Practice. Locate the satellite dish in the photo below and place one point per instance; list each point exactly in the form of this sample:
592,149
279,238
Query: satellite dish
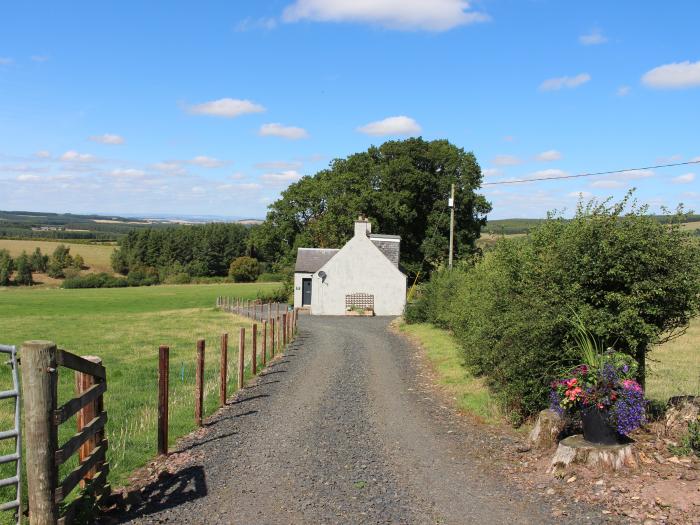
323,276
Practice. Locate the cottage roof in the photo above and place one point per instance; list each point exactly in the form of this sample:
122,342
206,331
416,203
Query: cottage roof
312,259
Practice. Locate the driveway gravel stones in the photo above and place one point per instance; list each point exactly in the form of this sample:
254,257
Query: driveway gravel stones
341,429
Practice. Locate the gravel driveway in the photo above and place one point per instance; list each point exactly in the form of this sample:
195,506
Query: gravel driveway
341,430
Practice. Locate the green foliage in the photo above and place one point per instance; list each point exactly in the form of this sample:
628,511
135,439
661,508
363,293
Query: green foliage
59,261
23,268
200,250
402,186
94,280
244,270
633,281
7,266
690,443
39,261
274,295
269,277
78,262
143,276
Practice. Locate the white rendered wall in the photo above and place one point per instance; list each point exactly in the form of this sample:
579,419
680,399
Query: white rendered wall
358,267
298,276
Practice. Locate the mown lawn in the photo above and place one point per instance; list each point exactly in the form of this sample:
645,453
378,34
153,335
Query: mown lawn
469,393
125,326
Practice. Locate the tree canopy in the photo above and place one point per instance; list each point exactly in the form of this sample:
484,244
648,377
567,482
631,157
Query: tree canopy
401,186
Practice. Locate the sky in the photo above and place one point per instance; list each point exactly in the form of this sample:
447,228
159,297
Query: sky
213,108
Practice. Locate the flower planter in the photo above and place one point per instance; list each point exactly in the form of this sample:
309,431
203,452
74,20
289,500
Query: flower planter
364,313
596,428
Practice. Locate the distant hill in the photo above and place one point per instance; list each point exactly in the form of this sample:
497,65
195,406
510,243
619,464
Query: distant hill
92,227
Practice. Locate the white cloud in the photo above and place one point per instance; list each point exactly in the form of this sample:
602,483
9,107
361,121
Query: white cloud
6,61
249,24
491,172
26,177
506,160
74,156
127,173
276,129
226,107
593,38
42,154
670,159
555,84
677,75
282,177
684,179
243,186
546,174
207,162
695,159
170,168
549,155
39,58
623,91
278,165
636,174
580,194
436,15
107,138
400,125
608,184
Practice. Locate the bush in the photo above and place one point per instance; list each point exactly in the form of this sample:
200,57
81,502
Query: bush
95,280
276,295
24,270
7,266
244,270
178,278
612,268
39,261
269,277
145,276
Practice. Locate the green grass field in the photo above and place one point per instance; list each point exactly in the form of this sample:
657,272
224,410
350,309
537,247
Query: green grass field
125,326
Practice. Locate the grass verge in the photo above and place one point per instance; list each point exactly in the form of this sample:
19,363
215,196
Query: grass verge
469,393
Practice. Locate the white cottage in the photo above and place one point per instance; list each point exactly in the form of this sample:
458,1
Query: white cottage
366,269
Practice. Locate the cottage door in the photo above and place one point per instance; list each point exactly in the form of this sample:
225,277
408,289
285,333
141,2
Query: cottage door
306,292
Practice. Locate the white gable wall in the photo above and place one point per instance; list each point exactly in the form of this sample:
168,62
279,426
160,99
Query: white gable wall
359,267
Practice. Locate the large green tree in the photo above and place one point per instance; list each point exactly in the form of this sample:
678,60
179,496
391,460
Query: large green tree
401,186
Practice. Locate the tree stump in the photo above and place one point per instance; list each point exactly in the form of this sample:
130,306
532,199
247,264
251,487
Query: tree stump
575,450
546,430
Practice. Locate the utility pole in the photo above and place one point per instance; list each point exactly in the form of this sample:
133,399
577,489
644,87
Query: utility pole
451,204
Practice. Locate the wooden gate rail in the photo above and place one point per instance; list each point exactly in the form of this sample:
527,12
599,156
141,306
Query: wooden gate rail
41,362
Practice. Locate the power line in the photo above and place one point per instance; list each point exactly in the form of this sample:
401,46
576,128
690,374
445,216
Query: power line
592,174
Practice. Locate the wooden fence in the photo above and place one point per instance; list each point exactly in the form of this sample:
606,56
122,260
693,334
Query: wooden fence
40,374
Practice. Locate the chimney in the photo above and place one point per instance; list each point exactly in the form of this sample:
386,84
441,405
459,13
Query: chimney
362,226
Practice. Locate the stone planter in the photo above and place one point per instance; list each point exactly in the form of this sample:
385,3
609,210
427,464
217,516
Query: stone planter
597,430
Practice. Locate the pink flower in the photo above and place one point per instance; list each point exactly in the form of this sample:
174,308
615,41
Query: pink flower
631,384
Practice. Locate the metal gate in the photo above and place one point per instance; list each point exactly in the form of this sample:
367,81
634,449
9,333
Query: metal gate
14,433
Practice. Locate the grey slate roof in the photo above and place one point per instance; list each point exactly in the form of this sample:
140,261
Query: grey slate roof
383,236
389,245
312,259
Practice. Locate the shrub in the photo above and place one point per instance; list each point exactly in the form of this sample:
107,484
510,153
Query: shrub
178,278
269,277
143,276
94,280
39,261
78,262
276,295
610,266
24,270
7,266
244,270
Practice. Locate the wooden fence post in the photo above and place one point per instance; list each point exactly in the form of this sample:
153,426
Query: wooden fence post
254,353
285,339
272,338
241,357
163,387
223,369
279,334
199,384
264,342
278,309
39,391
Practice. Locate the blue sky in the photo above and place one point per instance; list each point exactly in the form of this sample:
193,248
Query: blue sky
214,107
